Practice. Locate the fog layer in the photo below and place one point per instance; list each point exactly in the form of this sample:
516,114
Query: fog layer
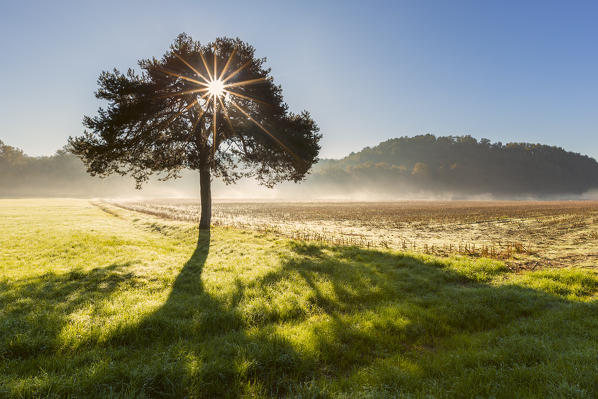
407,168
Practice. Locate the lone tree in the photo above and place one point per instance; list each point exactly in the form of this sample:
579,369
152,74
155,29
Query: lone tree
212,108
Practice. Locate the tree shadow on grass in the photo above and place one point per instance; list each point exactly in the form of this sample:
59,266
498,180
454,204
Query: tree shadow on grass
324,315
328,314
381,305
208,350
34,310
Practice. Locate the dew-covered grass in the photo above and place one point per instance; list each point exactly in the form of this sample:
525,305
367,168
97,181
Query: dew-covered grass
111,303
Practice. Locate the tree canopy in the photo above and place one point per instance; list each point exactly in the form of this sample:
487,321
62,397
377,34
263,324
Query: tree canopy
213,108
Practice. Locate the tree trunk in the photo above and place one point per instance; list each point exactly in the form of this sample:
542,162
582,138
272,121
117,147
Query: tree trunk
206,198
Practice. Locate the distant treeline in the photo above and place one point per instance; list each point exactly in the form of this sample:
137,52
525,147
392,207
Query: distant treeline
462,165
425,164
64,175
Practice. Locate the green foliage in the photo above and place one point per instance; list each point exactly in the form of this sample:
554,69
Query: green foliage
117,304
461,165
455,165
25,175
64,175
155,122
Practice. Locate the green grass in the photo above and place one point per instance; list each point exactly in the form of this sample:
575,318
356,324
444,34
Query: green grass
118,304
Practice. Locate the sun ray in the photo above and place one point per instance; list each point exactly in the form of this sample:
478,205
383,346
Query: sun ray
230,58
233,74
203,111
214,125
280,143
205,64
203,98
215,88
215,64
191,67
187,108
182,93
246,97
178,75
230,124
245,82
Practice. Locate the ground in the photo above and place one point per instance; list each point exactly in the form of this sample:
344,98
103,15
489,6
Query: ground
525,234
99,301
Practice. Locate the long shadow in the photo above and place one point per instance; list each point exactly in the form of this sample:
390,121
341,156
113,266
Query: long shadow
33,311
216,353
194,343
357,307
409,307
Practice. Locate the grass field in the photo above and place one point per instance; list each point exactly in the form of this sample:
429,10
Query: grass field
99,301
525,234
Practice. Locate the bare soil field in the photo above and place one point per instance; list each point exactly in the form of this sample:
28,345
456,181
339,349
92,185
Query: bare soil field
527,235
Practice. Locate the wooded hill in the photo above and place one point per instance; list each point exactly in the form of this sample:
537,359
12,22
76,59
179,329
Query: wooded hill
64,175
462,166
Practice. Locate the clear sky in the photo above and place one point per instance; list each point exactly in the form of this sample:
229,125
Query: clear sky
367,71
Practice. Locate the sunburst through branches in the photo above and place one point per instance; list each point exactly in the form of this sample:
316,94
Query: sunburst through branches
216,88
213,92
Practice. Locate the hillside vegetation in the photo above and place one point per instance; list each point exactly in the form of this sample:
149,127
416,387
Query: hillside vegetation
64,175
461,165
97,301
425,165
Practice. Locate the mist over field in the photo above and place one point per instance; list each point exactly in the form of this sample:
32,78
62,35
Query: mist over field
406,168
298,199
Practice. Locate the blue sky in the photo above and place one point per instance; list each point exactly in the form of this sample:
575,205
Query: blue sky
367,71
